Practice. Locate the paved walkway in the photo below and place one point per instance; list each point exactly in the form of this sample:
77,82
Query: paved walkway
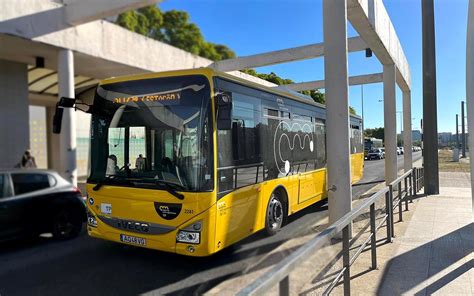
432,253
435,253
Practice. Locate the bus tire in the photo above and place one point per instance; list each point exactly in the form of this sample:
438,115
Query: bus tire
275,214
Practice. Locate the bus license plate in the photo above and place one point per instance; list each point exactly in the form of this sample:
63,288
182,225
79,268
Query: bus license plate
133,240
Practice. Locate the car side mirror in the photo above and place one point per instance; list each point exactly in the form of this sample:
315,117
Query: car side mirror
224,110
58,114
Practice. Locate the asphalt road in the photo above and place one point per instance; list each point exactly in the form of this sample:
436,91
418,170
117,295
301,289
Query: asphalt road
86,266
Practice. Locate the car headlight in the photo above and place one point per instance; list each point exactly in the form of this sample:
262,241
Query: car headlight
188,237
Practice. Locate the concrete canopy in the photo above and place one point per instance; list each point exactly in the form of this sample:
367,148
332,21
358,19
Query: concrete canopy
29,29
353,80
101,49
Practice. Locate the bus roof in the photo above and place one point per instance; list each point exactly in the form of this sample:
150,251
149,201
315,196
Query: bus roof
208,72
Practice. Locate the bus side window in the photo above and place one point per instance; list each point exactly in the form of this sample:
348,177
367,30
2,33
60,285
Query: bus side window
320,133
240,146
356,140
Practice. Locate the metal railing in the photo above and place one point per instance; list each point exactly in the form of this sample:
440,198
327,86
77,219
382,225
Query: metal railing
400,190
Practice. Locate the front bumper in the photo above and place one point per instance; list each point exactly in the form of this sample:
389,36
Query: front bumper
163,242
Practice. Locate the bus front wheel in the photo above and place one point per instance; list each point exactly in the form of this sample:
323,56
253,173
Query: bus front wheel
275,214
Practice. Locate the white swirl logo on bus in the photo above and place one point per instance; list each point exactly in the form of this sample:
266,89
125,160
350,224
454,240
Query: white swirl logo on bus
308,138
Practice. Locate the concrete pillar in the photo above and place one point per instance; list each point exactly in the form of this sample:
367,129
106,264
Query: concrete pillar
67,138
337,108
390,123
430,116
470,89
407,140
54,162
14,113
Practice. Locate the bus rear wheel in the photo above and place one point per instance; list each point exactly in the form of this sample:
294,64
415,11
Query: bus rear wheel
275,214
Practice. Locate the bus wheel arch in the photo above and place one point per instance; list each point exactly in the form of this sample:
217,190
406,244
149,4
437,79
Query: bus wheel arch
276,211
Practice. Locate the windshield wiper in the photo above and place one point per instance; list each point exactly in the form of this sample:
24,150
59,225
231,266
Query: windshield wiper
107,179
169,187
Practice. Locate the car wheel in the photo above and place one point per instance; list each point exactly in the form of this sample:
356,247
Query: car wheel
275,214
66,225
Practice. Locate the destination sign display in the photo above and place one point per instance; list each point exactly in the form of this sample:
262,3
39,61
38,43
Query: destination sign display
170,97
164,98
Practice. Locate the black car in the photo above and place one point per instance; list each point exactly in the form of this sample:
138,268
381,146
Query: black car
39,201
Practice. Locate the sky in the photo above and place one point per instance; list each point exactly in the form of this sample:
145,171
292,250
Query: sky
256,26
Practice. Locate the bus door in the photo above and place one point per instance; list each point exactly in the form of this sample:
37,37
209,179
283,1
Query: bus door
240,170
312,161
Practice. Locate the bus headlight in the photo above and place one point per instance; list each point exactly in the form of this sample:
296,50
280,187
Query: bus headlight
91,219
188,237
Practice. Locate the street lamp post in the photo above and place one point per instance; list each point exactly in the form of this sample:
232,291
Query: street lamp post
362,99
401,126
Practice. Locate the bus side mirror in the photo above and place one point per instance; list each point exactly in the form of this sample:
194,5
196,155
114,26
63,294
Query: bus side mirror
224,111
58,114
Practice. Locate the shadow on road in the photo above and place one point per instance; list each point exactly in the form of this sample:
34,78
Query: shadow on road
85,265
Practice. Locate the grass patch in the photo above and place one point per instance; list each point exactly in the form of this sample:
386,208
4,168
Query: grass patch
446,163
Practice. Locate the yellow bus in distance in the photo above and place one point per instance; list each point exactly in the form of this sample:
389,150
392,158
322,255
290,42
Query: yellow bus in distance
193,161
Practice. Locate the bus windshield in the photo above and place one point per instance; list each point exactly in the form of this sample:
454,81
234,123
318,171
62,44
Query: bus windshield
153,133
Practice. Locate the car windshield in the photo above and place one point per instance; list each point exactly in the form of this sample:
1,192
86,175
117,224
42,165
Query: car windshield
153,132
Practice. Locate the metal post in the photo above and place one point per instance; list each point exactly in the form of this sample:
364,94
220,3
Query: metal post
415,189
430,128
417,181
387,212
390,123
407,135
463,131
337,108
470,88
392,224
345,260
400,212
285,286
373,240
407,192
67,138
423,177
457,131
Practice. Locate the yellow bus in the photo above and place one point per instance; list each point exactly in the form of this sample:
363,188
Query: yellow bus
193,161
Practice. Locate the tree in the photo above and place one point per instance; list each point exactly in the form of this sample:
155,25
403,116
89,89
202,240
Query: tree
224,52
172,27
377,133
145,21
274,78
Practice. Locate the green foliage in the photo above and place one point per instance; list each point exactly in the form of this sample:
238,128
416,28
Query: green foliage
223,51
272,77
377,133
317,96
172,27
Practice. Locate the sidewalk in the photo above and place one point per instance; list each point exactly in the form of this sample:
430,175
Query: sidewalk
435,254
432,252
312,277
